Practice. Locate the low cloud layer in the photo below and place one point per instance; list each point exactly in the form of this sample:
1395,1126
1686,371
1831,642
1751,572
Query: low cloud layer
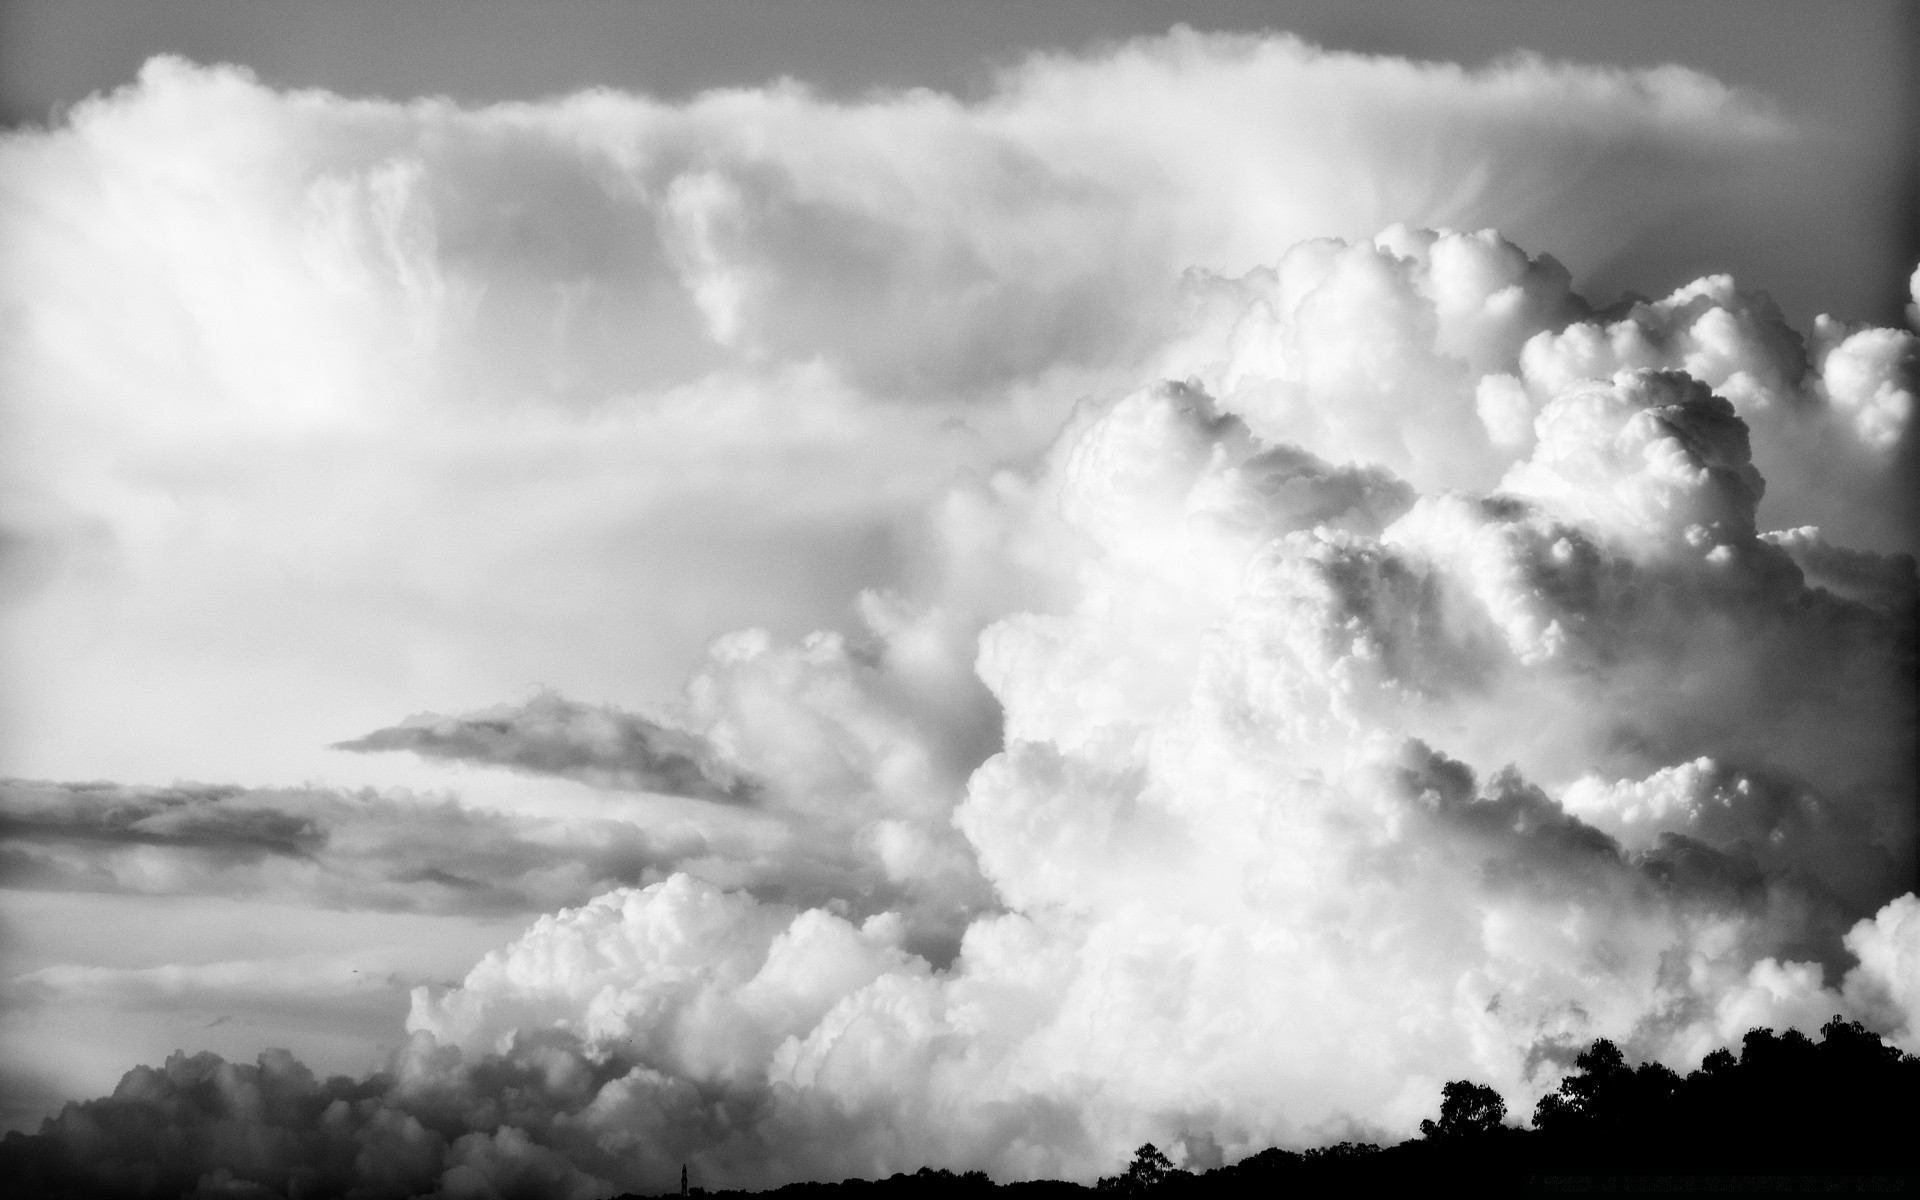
1391,665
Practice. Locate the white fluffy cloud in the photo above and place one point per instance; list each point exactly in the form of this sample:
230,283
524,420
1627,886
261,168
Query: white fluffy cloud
1395,668
552,394
1318,790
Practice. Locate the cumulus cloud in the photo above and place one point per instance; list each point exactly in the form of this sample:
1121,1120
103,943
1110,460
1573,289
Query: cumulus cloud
1435,354
1487,765
1580,752
1398,666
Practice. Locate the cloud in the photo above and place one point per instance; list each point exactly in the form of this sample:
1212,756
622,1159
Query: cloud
848,755
550,735
561,391
681,973
312,986
1485,766
1435,354
1581,753
273,1125
366,850
1280,667
397,852
773,222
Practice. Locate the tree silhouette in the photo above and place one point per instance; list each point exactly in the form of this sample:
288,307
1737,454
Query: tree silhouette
1149,1169
1605,1097
1467,1109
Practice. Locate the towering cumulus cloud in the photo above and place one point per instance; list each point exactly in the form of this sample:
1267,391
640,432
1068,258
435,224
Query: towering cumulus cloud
1396,667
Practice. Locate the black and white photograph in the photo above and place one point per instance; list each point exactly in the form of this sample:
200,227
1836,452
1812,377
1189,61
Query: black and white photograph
881,598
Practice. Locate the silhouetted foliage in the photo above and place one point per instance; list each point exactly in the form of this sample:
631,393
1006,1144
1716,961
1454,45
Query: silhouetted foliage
1466,1110
1605,1098
1149,1169
1785,1108
1786,1104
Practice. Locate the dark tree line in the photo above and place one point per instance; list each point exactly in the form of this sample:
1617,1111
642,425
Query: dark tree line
1845,1109
1788,1113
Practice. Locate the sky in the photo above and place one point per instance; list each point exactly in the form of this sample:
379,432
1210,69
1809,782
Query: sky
819,589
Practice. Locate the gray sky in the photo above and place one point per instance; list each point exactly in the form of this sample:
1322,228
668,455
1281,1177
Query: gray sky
1841,59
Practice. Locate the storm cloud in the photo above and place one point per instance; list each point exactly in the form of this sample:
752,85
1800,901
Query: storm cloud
1297,648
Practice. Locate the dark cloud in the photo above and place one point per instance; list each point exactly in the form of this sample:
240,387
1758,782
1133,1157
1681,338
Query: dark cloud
551,735
364,850
431,1124
210,817
397,852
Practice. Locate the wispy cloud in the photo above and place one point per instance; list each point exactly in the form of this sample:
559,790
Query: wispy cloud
551,735
312,845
